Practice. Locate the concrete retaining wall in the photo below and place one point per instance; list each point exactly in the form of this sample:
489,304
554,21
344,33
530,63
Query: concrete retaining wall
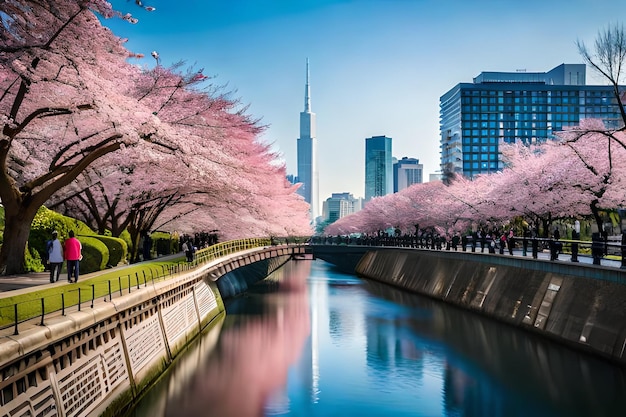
584,307
581,305
99,360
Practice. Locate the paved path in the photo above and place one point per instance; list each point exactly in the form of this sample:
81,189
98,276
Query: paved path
16,282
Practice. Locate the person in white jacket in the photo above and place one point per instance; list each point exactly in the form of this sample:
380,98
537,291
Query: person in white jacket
55,257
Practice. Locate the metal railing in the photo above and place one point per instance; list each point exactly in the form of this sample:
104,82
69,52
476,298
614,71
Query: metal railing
86,293
598,250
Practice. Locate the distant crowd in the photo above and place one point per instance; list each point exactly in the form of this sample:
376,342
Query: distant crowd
190,244
493,241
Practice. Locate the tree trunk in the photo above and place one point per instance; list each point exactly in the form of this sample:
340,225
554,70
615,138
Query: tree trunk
16,231
596,215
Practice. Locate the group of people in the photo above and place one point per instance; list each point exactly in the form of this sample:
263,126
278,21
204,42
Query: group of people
69,251
496,240
189,249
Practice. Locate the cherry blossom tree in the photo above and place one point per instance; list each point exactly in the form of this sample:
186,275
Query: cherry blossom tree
595,166
216,169
220,144
62,105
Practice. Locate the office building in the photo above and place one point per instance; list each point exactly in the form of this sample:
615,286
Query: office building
434,177
340,205
406,172
307,153
378,167
510,107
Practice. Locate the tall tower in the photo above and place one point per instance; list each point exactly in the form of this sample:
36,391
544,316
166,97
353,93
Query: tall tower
307,153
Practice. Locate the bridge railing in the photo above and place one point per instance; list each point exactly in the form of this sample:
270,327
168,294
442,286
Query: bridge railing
43,302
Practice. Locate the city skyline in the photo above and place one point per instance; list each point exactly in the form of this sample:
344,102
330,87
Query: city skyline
377,67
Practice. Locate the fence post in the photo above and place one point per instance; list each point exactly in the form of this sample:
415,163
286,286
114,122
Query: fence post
16,321
119,280
137,276
93,293
110,295
62,304
79,298
43,310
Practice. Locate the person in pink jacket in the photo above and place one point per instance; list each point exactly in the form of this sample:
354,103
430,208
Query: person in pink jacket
73,254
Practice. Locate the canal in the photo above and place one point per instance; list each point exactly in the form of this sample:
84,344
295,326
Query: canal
312,341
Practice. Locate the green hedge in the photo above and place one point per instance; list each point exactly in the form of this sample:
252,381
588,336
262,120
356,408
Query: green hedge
118,250
95,254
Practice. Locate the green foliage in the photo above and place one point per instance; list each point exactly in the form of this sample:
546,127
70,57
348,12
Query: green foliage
118,249
95,254
32,261
125,236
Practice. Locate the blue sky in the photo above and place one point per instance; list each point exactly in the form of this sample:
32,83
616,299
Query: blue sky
378,67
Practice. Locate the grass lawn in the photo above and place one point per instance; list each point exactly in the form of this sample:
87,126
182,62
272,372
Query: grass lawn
101,286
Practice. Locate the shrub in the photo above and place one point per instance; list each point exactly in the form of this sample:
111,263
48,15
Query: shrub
95,254
32,261
118,249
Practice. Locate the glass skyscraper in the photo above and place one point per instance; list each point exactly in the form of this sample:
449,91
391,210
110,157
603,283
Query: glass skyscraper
509,107
378,167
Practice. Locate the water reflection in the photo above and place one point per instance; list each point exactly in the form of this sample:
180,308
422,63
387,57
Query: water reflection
311,341
260,337
492,369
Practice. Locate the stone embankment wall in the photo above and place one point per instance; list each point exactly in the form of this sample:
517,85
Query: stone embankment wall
583,306
99,360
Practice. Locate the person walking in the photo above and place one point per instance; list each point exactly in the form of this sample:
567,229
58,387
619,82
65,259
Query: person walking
55,256
73,254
